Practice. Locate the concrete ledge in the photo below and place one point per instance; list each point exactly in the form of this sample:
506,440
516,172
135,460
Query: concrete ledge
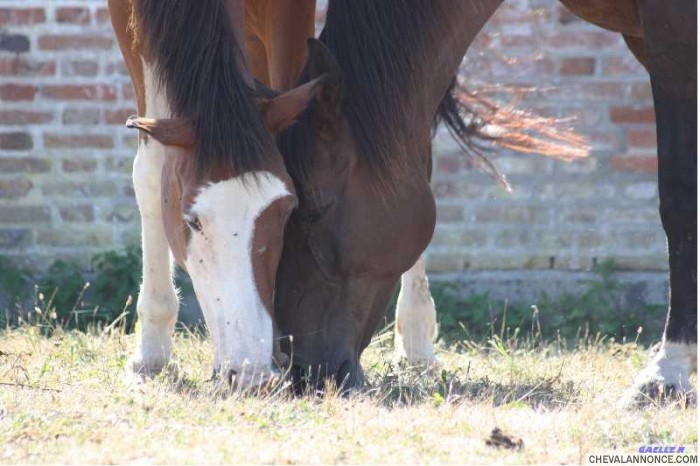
636,288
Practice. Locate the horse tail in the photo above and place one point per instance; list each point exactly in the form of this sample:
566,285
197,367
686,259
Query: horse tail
478,124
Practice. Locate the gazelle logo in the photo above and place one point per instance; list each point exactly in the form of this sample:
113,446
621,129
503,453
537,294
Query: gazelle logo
661,450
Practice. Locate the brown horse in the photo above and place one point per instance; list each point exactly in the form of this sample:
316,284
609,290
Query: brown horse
211,186
276,34
360,160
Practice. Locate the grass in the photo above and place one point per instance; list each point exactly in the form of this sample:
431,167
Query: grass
63,399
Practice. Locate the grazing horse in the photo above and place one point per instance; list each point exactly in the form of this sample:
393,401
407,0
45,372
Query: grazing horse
211,186
360,161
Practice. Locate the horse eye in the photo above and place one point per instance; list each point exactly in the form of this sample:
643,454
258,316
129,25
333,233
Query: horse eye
194,223
316,215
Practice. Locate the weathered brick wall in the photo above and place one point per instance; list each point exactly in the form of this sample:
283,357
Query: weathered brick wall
561,216
65,184
65,158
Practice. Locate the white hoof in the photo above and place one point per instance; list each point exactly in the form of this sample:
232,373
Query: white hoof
148,365
415,351
157,317
416,318
666,377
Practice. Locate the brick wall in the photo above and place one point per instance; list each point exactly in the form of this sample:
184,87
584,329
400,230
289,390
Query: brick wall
65,158
561,216
65,184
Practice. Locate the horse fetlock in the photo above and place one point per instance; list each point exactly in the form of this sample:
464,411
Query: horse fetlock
667,376
157,317
416,351
246,376
414,336
157,308
416,320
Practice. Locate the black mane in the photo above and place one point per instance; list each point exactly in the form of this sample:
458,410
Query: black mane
377,44
193,47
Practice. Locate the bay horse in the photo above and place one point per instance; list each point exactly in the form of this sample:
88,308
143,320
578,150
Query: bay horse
275,37
210,183
360,160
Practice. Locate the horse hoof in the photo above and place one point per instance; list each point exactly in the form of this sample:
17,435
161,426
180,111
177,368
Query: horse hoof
654,390
145,367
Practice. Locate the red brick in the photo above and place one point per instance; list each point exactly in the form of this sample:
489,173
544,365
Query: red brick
128,92
632,114
24,164
119,116
600,91
508,14
81,213
14,188
78,141
81,116
14,43
641,137
79,165
75,42
17,66
448,164
450,213
579,66
23,117
622,65
588,40
80,68
604,140
100,92
637,163
118,68
17,92
445,189
587,92
73,15
520,41
16,141
641,91
566,17
102,15
21,16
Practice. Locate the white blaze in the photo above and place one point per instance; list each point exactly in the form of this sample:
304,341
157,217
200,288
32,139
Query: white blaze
219,260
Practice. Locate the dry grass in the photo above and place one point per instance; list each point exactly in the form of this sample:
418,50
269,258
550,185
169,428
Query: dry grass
62,400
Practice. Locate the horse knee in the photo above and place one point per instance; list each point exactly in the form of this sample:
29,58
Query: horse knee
147,171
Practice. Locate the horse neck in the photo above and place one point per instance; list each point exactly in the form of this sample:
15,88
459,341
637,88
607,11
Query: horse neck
236,15
446,47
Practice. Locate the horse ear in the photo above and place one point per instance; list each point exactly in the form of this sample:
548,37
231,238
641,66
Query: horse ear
281,111
322,64
167,131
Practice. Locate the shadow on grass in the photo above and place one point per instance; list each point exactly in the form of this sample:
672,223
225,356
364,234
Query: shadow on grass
403,387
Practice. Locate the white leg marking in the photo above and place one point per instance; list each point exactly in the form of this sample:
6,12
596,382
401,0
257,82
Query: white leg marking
157,304
220,262
416,324
671,367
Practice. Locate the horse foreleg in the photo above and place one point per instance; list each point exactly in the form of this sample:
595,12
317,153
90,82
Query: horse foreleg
416,324
670,48
157,304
